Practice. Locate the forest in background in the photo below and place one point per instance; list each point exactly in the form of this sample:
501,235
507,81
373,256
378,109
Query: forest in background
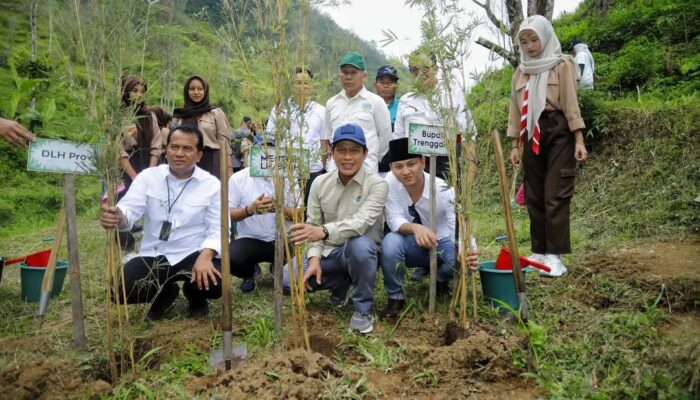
640,118
180,38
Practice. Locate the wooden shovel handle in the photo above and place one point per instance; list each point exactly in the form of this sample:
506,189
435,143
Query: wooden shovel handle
225,257
47,283
505,202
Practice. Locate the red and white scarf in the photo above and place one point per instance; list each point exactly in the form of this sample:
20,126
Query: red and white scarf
523,122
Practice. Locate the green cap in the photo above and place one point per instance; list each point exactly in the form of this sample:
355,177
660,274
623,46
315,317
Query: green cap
354,59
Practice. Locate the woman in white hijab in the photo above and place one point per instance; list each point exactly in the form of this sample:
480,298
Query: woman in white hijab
545,120
585,61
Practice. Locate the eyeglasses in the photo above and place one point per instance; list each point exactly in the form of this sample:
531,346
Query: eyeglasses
416,217
415,70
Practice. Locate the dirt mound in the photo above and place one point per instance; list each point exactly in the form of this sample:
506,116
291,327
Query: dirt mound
675,265
296,374
478,365
48,380
657,261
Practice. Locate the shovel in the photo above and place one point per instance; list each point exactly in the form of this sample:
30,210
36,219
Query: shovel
47,283
510,231
226,357
503,261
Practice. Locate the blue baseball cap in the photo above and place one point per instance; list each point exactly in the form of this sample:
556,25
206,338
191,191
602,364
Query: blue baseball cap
352,132
387,70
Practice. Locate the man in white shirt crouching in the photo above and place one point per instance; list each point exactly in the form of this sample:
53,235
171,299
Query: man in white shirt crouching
251,205
407,211
180,204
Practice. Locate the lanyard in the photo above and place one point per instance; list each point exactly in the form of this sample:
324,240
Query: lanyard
167,183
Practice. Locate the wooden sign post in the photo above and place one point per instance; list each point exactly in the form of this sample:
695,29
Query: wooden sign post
69,158
429,140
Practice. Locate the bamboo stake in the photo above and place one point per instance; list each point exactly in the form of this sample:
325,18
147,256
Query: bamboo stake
74,261
278,275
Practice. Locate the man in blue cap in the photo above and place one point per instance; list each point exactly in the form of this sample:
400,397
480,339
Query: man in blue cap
357,105
344,228
385,84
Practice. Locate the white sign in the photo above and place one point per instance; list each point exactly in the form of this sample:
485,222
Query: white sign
48,155
426,139
264,159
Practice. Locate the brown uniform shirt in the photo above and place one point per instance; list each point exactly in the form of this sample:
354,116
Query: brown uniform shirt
561,95
212,124
129,141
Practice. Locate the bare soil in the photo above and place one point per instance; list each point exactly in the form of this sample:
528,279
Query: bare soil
671,268
48,379
478,365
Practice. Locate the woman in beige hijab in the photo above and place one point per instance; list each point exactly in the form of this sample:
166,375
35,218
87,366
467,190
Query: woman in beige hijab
545,119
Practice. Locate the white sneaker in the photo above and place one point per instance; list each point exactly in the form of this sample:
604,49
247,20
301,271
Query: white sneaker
553,261
537,257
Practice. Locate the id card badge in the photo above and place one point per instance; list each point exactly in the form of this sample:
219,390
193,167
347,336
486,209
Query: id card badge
165,231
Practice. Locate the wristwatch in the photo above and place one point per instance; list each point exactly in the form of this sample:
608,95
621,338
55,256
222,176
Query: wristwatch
325,232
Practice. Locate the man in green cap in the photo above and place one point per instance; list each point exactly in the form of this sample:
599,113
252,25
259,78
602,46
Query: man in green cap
357,105
427,104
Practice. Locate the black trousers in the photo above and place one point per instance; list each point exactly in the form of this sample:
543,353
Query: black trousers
153,279
210,161
307,188
244,253
127,240
549,185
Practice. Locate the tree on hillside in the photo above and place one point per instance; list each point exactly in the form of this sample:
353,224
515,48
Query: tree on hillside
507,24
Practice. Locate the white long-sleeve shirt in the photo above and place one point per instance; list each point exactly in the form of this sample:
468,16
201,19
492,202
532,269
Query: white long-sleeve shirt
307,128
398,201
416,108
195,215
370,112
243,189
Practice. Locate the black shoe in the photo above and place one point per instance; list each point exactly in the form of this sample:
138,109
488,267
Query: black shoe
156,314
443,289
248,284
162,302
392,310
341,298
198,309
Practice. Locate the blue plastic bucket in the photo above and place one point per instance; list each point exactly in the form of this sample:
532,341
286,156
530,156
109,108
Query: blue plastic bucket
33,276
498,285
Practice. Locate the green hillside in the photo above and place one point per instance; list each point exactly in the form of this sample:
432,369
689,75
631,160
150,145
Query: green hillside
642,133
181,38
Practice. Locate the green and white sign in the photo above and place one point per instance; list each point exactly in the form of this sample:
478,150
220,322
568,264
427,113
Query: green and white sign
49,155
426,139
264,159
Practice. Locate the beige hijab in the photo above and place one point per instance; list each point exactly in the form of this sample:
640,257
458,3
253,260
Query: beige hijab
538,67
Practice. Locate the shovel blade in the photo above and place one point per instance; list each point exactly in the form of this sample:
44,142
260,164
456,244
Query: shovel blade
238,355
